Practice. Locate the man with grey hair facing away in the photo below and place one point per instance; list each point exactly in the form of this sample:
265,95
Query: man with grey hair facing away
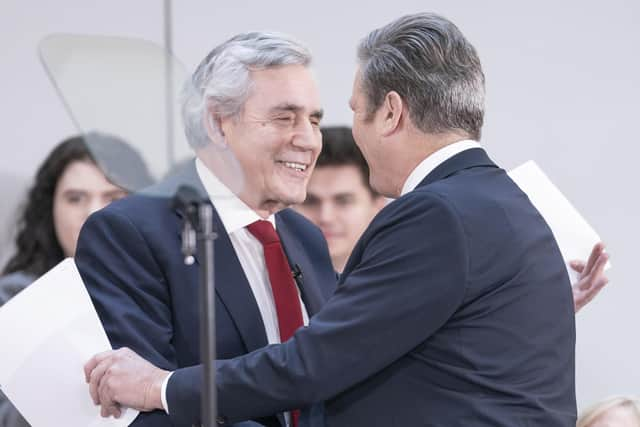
252,113
455,308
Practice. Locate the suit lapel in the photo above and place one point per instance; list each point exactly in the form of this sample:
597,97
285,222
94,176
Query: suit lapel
233,289
309,289
232,286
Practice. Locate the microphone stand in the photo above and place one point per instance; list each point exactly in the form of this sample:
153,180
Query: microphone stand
198,234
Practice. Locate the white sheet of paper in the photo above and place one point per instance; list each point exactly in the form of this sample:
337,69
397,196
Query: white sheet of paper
48,332
574,235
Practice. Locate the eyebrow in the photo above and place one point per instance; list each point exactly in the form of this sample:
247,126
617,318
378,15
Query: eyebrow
343,195
297,108
84,191
74,190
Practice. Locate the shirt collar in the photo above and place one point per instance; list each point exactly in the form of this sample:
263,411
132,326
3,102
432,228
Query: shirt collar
432,161
233,212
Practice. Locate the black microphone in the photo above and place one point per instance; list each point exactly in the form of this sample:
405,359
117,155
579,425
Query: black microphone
186,201
297,275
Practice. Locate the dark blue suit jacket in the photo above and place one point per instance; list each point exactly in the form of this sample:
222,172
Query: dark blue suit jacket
130,260
455,309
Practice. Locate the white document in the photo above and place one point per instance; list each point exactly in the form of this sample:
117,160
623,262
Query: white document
574,235
47,333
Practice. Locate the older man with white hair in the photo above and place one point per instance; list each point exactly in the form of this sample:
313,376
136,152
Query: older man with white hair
252,113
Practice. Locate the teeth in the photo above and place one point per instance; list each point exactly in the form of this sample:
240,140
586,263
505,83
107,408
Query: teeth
296,166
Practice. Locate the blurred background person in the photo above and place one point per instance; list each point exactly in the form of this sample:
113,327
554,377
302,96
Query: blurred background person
69,185
340,200
619,411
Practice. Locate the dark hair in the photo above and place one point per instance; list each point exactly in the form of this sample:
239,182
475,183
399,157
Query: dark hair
340,149
431,65
37,247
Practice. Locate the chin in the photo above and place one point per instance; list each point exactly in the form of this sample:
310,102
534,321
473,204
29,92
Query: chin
293,198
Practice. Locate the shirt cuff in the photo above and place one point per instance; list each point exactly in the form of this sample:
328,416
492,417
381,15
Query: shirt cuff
163,393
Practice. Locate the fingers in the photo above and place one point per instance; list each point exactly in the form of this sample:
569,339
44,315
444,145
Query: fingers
94,361
595,277
112,410
106,394
99,372
577,265
95,377
598,249
583,268
591,282
120,379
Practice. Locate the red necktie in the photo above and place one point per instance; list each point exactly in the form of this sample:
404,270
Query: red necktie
285,292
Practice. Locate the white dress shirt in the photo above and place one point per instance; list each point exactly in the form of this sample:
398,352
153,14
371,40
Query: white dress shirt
436,158
235,216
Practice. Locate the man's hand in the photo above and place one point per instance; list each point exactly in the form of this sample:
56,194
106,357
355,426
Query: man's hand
591,278
122,378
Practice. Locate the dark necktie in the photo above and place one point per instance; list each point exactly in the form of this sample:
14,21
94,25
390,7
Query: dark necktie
285,293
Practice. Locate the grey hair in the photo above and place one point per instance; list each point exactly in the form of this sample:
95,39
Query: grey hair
222,82
431,65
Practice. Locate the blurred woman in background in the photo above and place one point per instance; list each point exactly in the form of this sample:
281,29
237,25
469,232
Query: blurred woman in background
81,175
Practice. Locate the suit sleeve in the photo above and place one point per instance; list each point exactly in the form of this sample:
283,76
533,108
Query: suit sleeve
128,291
410,280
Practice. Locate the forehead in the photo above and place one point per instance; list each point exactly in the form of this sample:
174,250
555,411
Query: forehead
284,85
328,181
85,176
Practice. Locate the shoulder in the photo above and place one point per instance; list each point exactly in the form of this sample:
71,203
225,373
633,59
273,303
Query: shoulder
136,210
13,283
139,204
418,206
412,224
152,202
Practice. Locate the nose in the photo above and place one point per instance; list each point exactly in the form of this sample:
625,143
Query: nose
94,205
307,136
326,213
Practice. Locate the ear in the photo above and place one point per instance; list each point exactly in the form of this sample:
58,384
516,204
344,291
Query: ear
214,126
391,113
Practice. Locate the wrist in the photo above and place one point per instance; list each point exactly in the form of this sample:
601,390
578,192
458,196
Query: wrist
154,398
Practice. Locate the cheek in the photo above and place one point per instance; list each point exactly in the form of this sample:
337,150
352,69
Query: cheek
67,221
310,213
356,133
359,218
313,215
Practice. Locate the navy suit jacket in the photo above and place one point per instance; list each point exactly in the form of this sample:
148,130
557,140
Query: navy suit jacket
130,259
455,309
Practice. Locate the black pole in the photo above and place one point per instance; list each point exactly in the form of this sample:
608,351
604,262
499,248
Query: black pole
207,313
198,233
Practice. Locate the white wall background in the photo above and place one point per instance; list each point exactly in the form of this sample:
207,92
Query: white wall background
562,82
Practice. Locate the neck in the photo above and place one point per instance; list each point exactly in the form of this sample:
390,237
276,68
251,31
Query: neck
339,262
421,146
223,164
264,208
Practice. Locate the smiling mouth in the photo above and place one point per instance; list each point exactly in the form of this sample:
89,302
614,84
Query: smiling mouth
301,167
